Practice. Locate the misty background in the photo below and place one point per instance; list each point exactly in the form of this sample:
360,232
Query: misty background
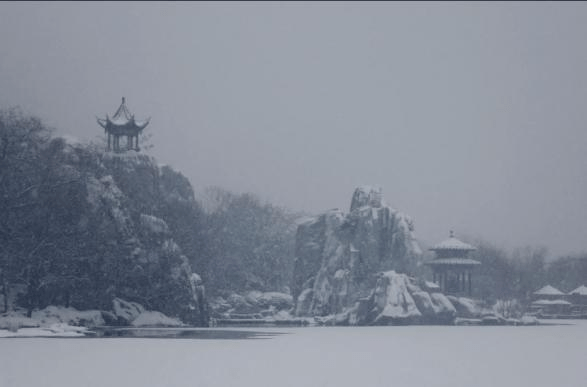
470,117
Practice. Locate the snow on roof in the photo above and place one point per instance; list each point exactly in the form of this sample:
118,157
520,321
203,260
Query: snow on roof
551,302
453,243
453,261
549,291
581,291
120,121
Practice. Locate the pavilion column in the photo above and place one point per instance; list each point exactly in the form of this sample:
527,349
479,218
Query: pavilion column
439,276
108,148
469,275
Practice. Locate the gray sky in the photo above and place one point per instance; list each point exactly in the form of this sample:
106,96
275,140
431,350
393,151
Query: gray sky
470,116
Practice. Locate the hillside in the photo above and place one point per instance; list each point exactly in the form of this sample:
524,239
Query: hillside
81,227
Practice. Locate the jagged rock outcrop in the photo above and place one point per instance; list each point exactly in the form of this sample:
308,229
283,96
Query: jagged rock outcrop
338,255
397,299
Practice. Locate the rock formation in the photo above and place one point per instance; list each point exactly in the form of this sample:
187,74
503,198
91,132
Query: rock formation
399,299
121,240
338,255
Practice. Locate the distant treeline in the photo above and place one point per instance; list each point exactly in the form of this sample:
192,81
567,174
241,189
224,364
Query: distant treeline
517,274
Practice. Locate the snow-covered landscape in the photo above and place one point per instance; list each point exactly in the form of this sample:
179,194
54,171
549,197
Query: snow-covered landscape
379,194
409,356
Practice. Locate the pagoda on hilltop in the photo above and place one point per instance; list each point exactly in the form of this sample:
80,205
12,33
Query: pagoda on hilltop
451,268
122,124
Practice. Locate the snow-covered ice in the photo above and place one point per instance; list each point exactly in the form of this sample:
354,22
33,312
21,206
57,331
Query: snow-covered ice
406,356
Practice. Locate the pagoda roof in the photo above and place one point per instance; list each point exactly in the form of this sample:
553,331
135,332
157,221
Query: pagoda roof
549,291
453,262
580,291
123,118
452,243
551,302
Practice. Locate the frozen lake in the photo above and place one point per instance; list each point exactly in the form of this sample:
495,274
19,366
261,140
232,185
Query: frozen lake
408,356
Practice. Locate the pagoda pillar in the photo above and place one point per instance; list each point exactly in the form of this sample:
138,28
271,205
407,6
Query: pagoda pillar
469,275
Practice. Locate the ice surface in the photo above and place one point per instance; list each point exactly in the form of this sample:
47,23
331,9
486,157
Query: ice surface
411,356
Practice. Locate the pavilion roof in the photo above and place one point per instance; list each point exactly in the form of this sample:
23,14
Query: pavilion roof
551,302
122,118
549,291
453,262
581,291
452,243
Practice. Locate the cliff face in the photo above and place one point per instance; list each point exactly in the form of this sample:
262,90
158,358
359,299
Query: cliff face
123,228
338,255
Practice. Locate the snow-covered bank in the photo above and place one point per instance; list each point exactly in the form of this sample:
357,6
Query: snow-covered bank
56,321
408,356
53,330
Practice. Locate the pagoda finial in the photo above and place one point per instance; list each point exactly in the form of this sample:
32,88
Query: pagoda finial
452,234
122,99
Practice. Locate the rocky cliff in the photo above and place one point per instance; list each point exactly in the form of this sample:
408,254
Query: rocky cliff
121,241
339,255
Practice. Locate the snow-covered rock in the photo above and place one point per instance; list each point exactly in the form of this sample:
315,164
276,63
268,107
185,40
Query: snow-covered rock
14,320
337,255
254,304
264,300
69,316
53,321
155,319
126,312
397,299
154,225
52,330
466,307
